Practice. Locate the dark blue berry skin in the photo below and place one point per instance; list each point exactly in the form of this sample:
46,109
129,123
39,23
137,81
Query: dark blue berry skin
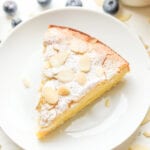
43,2
74,3
111,6
10,7
15,22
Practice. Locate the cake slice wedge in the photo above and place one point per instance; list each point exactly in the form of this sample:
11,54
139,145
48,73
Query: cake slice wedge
77,70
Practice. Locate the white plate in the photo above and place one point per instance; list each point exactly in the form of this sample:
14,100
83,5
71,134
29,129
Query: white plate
97,127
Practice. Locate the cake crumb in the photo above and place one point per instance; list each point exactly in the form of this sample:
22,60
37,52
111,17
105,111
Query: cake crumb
146,134
146,119
138,147
107,102
26,83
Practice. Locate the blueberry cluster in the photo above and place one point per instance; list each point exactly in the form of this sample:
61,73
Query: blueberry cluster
10,7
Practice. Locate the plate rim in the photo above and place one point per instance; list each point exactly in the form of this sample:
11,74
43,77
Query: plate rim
55,10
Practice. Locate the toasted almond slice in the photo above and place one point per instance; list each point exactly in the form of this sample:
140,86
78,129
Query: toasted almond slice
99,72
63,91
65,75
124,17
79,51
59,59
81,78
78,46
26,83
47,65
146,134
138,147
54,61
50,95
43,82
84,63
146,119
63,56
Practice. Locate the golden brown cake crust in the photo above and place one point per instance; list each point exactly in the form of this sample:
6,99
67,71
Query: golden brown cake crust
103,47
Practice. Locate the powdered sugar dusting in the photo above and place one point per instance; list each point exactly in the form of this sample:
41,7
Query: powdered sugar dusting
48,114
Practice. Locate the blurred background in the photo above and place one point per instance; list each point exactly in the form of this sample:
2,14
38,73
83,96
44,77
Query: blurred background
135,14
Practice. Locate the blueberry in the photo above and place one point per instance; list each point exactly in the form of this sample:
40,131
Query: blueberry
74,3
10,7
111,6
43,2
15,22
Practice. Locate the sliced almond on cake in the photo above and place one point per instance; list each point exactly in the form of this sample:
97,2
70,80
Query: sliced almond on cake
81,78
63,91
59,59
78,46
85,63
50,95
66,75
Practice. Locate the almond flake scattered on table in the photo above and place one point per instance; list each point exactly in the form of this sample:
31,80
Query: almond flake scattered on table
123,16
26,83
148,52
146,119
147,134
138,147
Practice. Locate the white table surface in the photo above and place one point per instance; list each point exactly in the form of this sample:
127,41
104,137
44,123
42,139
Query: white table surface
138,23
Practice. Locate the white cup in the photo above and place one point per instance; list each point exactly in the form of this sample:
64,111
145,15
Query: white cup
136,3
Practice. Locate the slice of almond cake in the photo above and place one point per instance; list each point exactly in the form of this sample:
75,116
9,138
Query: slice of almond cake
77,70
